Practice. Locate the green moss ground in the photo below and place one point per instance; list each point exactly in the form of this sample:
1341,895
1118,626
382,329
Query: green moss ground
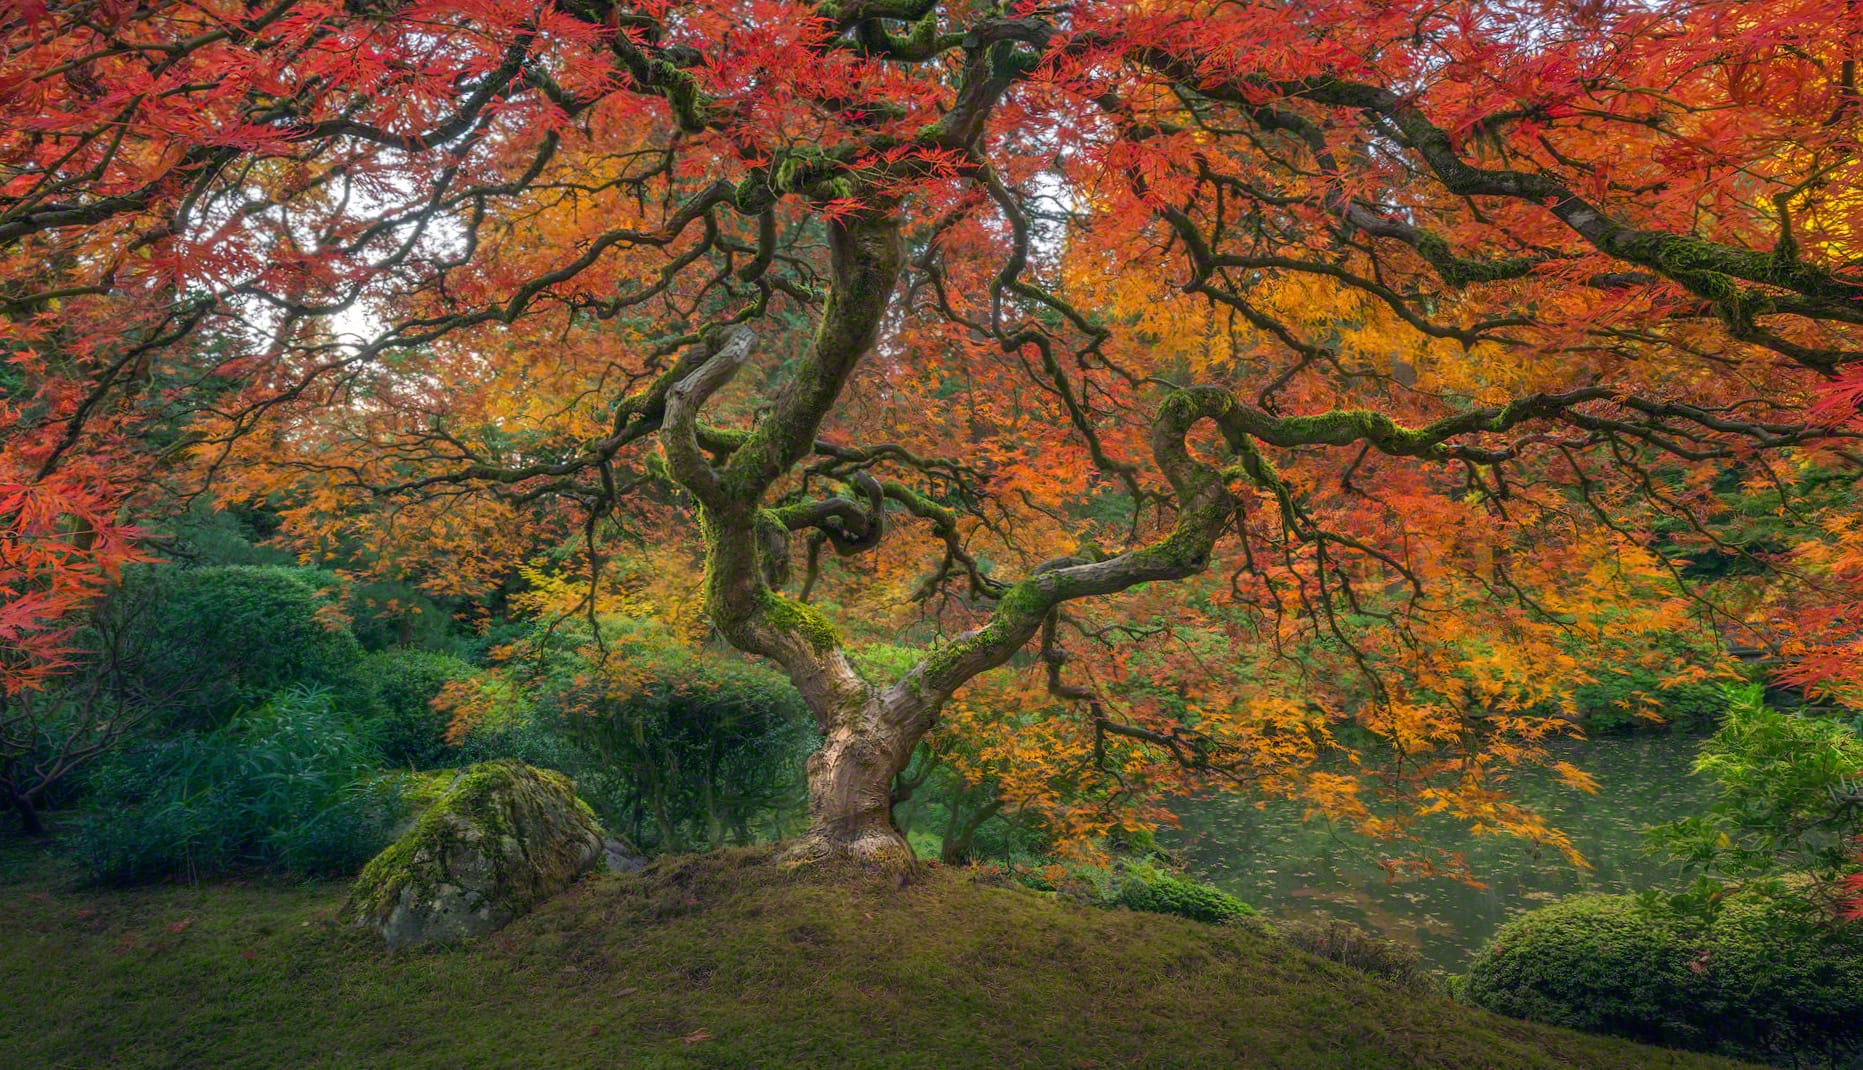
725,960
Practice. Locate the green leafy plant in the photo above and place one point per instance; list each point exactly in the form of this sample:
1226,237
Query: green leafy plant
1145,887
1601,964
1790,799
679,747
1611,702
402,720
203,644
287,786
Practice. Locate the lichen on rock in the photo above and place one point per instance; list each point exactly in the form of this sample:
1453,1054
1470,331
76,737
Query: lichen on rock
502,838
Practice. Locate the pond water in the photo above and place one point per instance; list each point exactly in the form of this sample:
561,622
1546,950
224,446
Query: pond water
1292,868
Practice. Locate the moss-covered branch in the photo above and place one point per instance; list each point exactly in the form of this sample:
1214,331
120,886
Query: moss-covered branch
1205,508
739,598
866,258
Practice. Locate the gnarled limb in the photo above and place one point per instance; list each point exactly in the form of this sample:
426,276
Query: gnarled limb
1205,507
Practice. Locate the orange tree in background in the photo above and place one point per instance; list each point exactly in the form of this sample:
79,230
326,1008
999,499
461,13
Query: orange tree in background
1253,367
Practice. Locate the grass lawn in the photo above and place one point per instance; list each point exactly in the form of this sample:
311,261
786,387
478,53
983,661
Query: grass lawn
723,960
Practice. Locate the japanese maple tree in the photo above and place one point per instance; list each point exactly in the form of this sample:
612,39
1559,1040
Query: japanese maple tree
1387,349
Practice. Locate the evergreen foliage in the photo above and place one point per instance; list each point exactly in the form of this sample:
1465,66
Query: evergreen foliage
1762,979
288,786
202,644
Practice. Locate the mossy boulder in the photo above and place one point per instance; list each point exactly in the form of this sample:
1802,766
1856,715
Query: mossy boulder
503,837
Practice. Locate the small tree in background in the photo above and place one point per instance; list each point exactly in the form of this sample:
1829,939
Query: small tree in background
1790,800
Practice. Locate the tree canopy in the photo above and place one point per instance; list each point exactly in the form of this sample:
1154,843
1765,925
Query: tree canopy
1298,394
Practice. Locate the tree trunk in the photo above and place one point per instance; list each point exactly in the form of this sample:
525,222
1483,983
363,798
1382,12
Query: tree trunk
869,734
851,791
960,835
29,821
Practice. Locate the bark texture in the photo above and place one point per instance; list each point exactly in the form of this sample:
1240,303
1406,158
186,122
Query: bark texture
869,734
851,792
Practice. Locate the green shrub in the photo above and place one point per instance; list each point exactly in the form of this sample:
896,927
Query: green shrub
677,748
955,812
1785,795
1150,889
1601,964
1762,978
287,786
1353,947
223,533
201,644
403,722
1611,702
708,747
524,733
1788,988
390,614
49,739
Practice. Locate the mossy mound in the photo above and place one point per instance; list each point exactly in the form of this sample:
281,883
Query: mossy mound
727,961
503,837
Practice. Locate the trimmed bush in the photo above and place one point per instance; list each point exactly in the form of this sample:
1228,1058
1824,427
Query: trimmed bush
676,747
709,747
203,644
1150,889
1601,964
1787,988
403,722
1763,979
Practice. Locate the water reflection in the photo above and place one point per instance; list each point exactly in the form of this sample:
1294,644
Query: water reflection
1293,868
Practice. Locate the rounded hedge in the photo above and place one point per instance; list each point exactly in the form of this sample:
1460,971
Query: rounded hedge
1601,964
1786,987
202,644
403,683
1762,979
